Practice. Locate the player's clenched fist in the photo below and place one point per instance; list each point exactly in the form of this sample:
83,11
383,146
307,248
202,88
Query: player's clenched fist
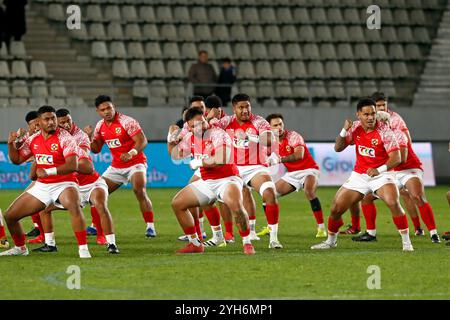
371,172
126,157
348,124
89,131
41,173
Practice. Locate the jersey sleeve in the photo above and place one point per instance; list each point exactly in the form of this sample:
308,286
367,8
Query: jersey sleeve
68,144
295,139
25,150
131,126
402,140
389,141
349,135
83,140
397,122
220,138
221,123
184,131
97,135
184,147
261,124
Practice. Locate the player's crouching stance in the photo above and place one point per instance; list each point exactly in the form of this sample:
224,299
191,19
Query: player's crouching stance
211,149
377,152
55,151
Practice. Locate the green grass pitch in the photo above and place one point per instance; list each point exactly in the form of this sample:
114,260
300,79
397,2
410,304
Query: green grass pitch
149,269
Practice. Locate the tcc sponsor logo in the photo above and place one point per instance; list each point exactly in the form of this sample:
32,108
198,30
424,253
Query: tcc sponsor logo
366,152
114,143
44,159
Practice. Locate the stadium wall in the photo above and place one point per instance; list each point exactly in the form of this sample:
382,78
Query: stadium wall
428,124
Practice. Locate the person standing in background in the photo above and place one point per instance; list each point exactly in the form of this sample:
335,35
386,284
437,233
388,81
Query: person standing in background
203,76
227,76
15,25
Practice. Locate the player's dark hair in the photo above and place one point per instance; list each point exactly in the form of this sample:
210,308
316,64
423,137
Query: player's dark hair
45,109
192,112
102,98
274,116
196,98
31,116
62,112
202,51
364,102
377,96
240,97
226,60
213,102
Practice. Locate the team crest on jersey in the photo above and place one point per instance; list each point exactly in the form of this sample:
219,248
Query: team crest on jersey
44,159
374,142
113,143
288,148
118,130
54,147
366,152
35,146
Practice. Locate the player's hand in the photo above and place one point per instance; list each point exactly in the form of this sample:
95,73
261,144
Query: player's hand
213,113
348,124
12,137
125,157
273,160
40,173
89,131
371,172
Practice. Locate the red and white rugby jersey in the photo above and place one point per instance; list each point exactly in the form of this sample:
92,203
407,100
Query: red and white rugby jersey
245,152
372,148
286,147
205,148
118,137
397,122
185,130
51,153
82,140
412,160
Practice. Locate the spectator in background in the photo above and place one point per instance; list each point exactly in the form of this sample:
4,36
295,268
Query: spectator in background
227,77
202,76
15,21
2,24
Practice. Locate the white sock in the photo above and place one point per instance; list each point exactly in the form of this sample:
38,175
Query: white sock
83,247
92,225
252,224
246,240
433,232
201,223
36,225
193,238
321,226
151,225
372,232
332,237
111,238
217,232
273,228
50,239
405,235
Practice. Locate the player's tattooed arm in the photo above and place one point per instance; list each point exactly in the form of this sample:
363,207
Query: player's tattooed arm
70,166
298,154
341,140
140,142
403,154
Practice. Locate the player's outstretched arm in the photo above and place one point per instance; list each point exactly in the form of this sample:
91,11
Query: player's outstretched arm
341,140
70,166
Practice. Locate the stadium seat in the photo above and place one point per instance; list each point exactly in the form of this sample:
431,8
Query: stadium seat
177,89
300,14
265,89
168,32
421,35
388,88
4,102
158,93
175,70
150,32
349,69
117,50
112,13
383,70
270,104
4,70
340,33
293,51
199,15
133,32
275,51
412,52
36,102
306,33
220,32
288,103
300,89
401,16
147,14
298,69
156,69
181,15
259,51
56,12
368,87
353,89
396,51
284,15
216,14
114,31
267,15
318,16
135,50
361,51
99,50
283,89
272,33
334,15
263,70
366,70
248,87
138,69
17,49
323,33
164,14
399,69
56,102
281,70
233,15
336,89
23,103
418,17
94,13
242,51
327,51
80,34
316,69
250,15
289,33
58,89
208,47
38,69
237,33
129,14
140,89
311,51
3,53
389,34
333,69
345,51
19,69
171,50
120,69
188,51
203,32
255,33
4,89
356,34
223,50
378,51
350,15
97,31
77,102
317,89
19,89
38,89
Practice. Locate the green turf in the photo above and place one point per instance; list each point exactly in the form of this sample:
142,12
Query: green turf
149,269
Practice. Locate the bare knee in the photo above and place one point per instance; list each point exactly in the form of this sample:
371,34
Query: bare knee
310,193
140,193
269,196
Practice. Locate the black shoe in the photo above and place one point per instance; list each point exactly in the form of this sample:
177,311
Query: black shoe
435,238
33,233
112,248
46,248
365,237
446,237
419,232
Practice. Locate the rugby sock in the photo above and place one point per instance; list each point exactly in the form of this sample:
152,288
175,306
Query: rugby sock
356,222
217,232
81,238
111,238
2,232
402,225
333,229
148,218
19,239
272,213
245,235
213,216
97,222
229,227
317,211
370,215
416,222
252,223
197,228
426,212
37,220
192,236
50,239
